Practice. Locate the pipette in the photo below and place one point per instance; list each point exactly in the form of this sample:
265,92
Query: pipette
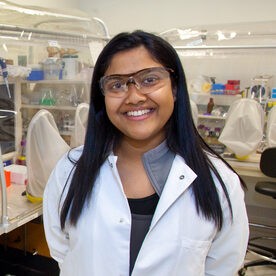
5,75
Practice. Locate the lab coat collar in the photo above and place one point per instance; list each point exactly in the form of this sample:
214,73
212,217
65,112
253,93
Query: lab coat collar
112,159
180,178
157,163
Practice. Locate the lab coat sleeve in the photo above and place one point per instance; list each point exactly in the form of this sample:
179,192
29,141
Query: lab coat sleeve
57,239
228,248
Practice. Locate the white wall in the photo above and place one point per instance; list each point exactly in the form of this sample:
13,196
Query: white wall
160,15
60,4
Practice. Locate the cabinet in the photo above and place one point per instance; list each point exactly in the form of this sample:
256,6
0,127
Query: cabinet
50,56
241,54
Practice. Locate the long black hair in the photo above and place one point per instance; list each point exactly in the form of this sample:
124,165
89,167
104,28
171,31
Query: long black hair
182,136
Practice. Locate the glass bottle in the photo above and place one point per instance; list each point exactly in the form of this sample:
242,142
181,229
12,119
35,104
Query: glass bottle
210,106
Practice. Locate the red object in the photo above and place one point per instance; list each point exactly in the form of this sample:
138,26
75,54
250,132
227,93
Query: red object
8,178
232,85
21,160
234,82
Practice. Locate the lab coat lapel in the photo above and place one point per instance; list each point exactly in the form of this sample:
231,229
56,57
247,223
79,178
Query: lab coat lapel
179,179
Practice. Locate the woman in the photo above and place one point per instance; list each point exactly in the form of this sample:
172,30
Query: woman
144,195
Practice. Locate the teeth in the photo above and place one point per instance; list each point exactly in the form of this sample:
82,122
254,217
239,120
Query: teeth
138,113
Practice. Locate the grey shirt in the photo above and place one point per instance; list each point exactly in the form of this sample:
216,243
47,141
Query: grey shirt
157,163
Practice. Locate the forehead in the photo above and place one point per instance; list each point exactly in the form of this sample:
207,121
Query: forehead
130,61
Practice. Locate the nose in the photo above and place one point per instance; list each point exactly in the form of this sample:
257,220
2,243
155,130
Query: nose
134,95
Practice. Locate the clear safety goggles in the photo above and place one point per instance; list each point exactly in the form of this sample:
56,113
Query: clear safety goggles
146,81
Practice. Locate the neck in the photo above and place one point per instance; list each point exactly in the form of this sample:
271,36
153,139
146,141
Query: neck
134,150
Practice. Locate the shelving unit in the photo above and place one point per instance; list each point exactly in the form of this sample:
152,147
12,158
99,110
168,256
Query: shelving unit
226,52
52,82
65,96
27,33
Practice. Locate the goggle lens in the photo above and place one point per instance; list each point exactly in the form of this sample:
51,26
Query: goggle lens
146,81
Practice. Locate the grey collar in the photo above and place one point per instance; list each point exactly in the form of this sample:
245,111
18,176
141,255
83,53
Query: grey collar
158,163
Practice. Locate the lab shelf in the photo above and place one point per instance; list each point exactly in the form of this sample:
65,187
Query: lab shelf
212,117
65,133
62,132
203,98
57,82
54,107
20,210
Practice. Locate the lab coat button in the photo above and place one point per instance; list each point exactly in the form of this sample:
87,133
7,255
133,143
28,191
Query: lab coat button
121,220
181,177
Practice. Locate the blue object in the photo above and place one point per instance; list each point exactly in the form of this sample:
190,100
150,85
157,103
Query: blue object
60,74
36,75
4,68
217,92
7,163
218,86
5,75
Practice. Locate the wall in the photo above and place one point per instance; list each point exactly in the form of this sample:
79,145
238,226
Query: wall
160,15
61,4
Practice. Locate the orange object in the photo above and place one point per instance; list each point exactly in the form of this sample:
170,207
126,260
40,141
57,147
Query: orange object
8,178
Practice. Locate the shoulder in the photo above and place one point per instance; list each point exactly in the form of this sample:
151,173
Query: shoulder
69,159
221,166
74,154
230,179
63,170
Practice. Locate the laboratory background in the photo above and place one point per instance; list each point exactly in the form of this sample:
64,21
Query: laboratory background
47,53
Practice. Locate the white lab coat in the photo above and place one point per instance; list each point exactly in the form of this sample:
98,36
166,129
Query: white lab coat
179,241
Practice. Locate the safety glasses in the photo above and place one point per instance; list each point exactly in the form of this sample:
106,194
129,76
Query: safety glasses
146,81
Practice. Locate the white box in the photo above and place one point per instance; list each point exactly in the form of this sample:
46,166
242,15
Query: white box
18,173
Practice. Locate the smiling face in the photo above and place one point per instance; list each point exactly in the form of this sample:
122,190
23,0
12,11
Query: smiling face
141,118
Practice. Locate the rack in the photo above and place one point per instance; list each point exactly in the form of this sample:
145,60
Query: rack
230,51
27,31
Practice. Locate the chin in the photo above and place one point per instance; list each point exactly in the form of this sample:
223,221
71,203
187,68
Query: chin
141,137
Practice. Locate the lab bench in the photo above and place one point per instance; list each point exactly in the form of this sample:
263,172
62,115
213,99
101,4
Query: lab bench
20,210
